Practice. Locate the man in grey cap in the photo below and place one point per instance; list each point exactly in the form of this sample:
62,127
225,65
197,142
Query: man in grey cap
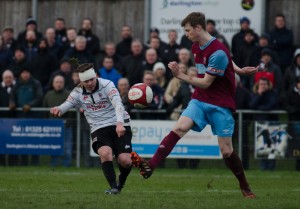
8,38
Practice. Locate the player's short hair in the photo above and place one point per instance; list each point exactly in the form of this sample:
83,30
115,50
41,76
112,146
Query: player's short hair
194,19
84,67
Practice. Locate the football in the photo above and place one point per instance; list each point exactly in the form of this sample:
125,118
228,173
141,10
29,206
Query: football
140,95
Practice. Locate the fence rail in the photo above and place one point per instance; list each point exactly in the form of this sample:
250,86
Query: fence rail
240,114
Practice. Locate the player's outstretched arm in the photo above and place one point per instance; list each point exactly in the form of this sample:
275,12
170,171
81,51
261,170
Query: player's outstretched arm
245,70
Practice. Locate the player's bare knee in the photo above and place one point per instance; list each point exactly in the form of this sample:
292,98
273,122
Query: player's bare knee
104,154
226,153
125,162
180,130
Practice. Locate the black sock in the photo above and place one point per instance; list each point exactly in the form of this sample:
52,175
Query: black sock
124,172
109,173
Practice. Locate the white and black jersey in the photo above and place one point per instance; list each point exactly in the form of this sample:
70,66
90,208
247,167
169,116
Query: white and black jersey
103,107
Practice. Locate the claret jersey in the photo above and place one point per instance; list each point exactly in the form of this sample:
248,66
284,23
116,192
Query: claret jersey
213,58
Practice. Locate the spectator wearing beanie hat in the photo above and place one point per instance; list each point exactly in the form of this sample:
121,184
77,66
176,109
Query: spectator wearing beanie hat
19,61
159,70
238,39
264,42
154,33
31,24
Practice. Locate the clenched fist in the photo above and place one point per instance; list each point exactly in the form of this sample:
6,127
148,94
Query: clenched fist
55,111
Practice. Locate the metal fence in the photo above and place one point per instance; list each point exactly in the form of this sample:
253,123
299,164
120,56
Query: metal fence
240,123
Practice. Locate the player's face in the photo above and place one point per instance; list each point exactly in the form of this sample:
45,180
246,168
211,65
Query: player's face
190,32
90,84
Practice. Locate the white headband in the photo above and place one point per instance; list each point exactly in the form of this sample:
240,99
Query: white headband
87,75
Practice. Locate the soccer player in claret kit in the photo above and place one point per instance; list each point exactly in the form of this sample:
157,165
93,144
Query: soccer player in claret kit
109,123
212,102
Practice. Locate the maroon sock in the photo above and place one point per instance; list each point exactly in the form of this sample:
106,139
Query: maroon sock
164,149
235,165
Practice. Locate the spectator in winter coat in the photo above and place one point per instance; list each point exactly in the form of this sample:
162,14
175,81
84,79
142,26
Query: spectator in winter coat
124,46
27,93
108,71
93,42
282,41
80,52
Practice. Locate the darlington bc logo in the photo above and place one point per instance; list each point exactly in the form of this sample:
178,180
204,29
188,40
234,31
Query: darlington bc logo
170,3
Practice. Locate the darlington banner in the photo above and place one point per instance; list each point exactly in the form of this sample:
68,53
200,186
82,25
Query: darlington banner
147,135
168,14
31,136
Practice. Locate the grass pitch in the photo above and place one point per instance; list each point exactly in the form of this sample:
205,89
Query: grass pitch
45,188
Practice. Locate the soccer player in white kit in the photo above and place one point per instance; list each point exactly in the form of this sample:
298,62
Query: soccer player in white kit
109,123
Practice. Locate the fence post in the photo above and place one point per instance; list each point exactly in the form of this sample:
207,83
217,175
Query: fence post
78,132
240,129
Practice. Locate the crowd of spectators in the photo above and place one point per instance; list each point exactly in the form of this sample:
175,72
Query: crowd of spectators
36,69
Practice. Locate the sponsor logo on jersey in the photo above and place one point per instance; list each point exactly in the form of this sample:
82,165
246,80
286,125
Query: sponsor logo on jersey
127,146
215,70
112,92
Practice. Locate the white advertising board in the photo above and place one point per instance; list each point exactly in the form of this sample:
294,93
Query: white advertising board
168,14
147,135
